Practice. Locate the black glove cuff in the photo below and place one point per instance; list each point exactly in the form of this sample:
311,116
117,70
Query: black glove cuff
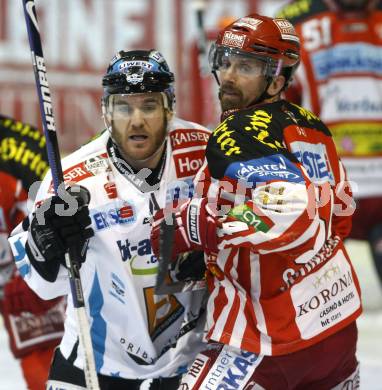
190,266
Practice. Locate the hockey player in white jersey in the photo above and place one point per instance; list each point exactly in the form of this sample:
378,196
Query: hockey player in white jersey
145,160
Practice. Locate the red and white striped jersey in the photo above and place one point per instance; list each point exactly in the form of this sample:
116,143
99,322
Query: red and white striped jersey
282,279
340,80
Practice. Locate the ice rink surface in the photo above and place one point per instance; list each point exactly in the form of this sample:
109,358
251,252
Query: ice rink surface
369,325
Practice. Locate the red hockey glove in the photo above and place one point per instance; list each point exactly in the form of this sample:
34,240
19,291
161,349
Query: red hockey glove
195,228
18,297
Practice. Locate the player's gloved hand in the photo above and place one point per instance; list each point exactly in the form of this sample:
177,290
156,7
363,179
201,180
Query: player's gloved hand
190,266
195,228
18,298
59,224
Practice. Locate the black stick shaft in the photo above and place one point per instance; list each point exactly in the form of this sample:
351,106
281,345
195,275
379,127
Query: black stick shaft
43,91
49,127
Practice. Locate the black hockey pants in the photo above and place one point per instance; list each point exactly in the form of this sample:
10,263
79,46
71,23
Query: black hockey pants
64,371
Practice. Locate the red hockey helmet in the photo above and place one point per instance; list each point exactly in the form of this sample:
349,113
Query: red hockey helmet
273,41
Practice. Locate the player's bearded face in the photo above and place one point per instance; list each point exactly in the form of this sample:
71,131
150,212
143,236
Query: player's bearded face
139,125
241,83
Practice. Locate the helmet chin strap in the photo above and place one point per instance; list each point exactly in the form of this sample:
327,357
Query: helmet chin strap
264,95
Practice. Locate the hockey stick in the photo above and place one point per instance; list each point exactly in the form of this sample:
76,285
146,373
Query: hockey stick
58,182
166,235
164,285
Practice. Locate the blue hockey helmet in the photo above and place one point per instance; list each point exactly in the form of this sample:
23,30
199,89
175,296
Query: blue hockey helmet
139,71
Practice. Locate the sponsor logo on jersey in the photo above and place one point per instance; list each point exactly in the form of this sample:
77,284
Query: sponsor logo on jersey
290,275
186,138
245,214
21,152
223,137
24,130
117,288
141,259
97,164
123,213
325,297
347,59
258,126
31,331
76,173
314,158
111,190
136,352
275,167
231,370
194,372
338,282
73,175
187,164
162,311
233,40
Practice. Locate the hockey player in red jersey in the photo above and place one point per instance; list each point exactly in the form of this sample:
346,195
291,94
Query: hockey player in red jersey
34,326
339,79
271,211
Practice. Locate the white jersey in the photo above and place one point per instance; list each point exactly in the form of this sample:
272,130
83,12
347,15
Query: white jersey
135,333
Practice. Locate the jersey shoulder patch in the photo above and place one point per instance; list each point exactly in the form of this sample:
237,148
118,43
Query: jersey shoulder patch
89,167
188,143
188,138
